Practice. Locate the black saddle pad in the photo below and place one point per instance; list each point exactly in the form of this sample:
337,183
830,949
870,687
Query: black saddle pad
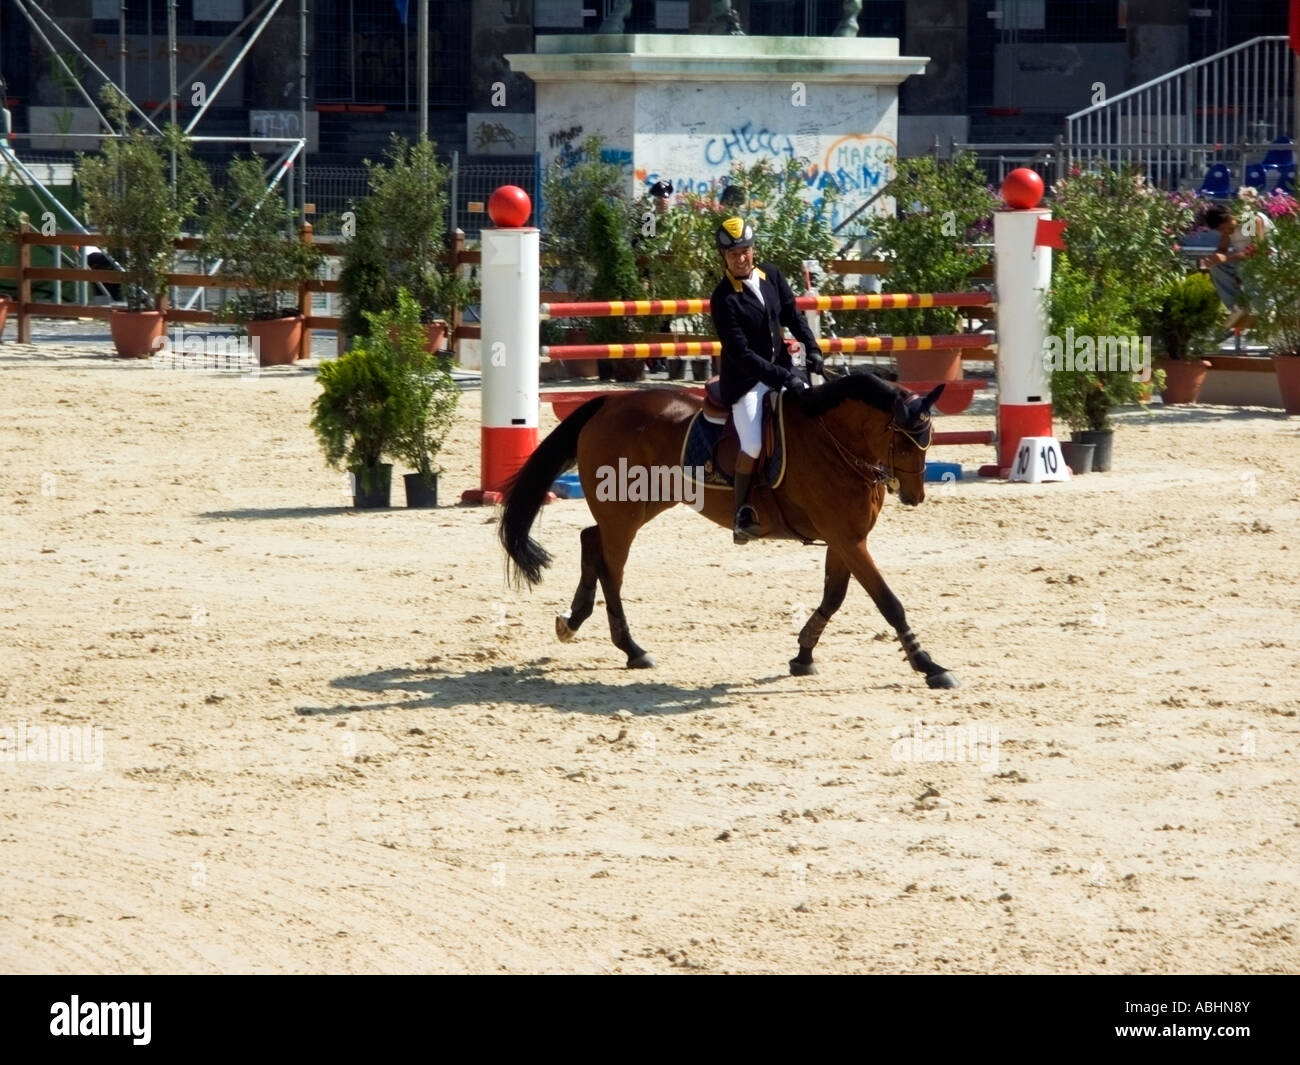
706,441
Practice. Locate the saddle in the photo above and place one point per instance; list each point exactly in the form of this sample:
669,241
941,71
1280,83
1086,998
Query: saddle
712,444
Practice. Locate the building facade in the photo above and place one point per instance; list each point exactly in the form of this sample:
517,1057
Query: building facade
999,70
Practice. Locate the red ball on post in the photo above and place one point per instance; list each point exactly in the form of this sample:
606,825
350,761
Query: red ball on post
509,207
1022,189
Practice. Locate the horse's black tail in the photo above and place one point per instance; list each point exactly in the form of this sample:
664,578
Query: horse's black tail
526,493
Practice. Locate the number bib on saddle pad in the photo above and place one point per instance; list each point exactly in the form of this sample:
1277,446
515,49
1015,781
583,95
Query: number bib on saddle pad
713,447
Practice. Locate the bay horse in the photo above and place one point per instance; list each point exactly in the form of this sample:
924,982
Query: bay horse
846,441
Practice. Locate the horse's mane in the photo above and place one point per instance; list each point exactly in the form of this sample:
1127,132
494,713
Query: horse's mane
861,385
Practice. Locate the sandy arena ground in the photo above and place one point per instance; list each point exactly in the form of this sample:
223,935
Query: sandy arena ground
336,741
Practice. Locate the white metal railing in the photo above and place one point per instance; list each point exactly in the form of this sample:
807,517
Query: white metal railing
1216,109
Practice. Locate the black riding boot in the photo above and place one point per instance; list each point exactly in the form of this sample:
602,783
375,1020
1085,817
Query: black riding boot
746,527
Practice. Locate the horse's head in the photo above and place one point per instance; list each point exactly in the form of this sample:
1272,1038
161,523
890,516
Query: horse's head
910,434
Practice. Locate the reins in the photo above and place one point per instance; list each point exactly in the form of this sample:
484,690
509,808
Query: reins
871,472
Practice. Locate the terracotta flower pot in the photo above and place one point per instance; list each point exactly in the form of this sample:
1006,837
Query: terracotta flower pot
134,332
1183,379
436,334
1288,381
929,365
276,339
588,368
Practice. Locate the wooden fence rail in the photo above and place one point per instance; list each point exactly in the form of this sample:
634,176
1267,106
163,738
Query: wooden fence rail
456,256
25,308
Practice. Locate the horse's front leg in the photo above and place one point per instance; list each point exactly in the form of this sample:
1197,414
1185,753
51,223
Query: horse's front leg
833,592
864,569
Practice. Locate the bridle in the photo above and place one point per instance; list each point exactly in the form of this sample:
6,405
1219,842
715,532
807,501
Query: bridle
874,473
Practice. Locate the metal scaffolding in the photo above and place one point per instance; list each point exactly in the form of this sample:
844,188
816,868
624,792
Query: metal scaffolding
292,151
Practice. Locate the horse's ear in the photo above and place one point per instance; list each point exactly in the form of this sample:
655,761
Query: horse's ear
932,397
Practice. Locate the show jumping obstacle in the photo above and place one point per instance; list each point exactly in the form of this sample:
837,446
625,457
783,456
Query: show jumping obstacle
512,355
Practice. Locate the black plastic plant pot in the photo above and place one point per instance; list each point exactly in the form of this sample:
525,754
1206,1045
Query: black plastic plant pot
419,492
1078,456
372,486
1103,438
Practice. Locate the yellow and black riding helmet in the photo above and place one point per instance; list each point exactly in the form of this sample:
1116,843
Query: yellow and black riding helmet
734,233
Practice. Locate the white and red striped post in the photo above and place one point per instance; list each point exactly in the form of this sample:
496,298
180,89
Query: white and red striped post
1023,270
511,364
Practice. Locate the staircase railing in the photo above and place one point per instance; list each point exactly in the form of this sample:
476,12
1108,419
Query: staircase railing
1217,109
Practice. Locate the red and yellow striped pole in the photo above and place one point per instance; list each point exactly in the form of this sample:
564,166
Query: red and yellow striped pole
865,301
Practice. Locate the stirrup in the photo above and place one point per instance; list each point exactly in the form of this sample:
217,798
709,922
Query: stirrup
746,527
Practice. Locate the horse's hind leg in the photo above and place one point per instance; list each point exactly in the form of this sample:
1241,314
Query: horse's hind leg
584,599
833,592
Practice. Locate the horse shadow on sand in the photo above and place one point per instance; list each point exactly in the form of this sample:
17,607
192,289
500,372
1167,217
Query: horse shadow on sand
530,684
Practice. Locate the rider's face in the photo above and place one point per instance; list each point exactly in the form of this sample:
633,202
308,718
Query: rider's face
740,261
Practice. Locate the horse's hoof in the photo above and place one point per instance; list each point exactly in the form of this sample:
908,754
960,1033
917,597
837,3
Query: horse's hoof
943,679
641,661
562,629
801,669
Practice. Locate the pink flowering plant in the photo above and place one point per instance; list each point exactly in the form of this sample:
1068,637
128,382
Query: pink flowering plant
1271,277
1121,256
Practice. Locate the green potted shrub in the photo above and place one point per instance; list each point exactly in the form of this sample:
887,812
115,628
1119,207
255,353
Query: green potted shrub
1270,283
139,214
1184,320
431,394
252,232
399,242
1120,255
358,417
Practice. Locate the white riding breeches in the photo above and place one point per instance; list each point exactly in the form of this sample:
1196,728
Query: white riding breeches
747,412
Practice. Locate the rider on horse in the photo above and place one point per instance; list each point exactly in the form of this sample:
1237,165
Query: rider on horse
749,307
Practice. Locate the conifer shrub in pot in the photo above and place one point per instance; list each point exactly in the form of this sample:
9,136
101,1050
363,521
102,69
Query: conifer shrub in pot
399,241
431,395
359,416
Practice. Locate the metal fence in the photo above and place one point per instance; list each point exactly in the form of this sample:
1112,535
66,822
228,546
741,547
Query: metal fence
335,189
472,185
998,160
